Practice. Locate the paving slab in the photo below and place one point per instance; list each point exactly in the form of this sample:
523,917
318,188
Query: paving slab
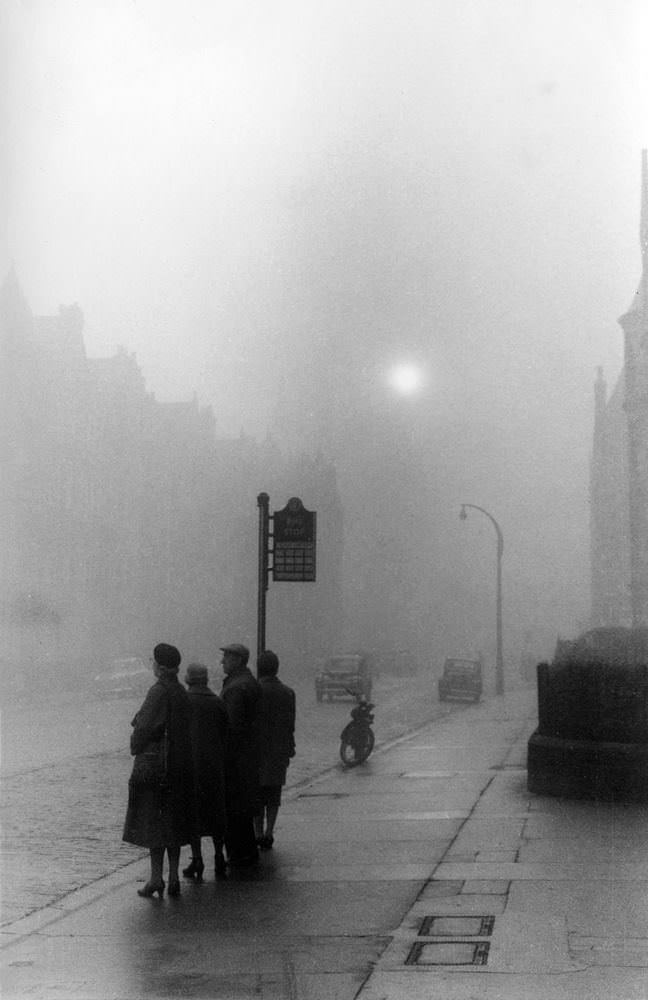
592,908
617,823
490,887
595,983
495,833
605,851
358,852
459,904
616,871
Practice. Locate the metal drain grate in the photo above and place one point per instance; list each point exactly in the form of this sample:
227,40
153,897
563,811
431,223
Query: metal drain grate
449,926
448,953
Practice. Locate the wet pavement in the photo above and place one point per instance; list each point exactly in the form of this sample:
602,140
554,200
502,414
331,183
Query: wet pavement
61,829
63,804
428,872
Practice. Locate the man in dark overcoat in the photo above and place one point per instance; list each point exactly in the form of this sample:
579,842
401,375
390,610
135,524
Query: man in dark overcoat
276,727
241,695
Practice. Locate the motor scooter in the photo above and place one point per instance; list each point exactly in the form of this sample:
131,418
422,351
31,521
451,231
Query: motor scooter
357,738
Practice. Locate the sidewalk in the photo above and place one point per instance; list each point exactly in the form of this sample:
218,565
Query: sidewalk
428,872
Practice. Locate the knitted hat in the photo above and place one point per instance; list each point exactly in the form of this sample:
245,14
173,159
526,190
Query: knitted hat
196,674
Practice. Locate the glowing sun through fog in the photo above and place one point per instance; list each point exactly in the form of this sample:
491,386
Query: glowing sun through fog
406,379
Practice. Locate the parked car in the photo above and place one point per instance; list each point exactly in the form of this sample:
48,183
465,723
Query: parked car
125,678
344,676
461,679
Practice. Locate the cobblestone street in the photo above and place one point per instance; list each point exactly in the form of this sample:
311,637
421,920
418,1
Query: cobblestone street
62,822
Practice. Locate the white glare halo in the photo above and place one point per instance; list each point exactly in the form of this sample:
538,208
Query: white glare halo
406,379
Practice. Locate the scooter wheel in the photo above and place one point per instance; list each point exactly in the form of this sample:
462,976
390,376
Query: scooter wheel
356,746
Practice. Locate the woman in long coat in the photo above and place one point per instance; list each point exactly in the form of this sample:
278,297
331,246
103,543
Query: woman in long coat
208,740
160,788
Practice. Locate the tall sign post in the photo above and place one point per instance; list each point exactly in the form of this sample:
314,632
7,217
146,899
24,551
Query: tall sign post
263,503
293,551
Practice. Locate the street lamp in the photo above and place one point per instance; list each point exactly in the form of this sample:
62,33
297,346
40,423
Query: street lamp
499,660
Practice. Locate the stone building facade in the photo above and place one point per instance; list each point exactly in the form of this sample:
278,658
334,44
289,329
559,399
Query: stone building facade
619,468
125,521
609,528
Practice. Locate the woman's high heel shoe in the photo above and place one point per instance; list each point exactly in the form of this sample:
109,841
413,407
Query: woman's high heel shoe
174,887
194,870
151,888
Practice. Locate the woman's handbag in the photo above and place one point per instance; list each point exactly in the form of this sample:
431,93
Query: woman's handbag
150,766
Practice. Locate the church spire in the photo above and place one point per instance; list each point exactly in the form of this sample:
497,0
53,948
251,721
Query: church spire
635,328
639,305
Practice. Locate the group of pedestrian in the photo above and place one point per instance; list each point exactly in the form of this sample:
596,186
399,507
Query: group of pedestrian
208,765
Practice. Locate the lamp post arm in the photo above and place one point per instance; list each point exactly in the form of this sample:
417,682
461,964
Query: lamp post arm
500,536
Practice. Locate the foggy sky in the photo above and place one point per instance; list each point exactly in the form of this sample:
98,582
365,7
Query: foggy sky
242,192
211,181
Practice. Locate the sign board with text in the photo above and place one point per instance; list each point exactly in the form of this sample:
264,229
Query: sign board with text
294,537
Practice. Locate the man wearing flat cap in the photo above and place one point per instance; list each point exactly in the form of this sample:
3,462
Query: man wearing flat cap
241,695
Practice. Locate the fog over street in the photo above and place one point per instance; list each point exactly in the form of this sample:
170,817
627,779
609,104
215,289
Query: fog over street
274,207
366,255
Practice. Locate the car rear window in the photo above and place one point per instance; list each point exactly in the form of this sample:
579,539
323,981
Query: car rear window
462,667
343,663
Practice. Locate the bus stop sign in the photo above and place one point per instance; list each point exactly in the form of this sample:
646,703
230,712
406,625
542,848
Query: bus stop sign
293,551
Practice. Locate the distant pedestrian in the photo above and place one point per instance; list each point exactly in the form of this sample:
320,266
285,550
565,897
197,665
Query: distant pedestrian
276,728
160,788
241,695
208,739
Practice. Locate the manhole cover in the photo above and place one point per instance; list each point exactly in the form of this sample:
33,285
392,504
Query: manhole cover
448,953
457,926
